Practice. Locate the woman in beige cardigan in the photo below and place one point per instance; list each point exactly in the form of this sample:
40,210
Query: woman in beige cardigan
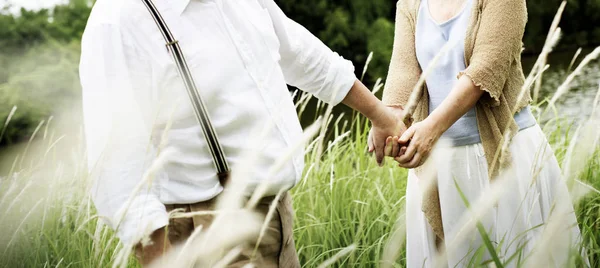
471,101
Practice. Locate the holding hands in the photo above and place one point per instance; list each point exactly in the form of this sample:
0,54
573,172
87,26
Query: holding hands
390,137
382,133
420,139
409,147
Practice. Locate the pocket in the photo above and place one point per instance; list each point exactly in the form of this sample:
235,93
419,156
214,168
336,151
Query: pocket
288,257
286,217
179,229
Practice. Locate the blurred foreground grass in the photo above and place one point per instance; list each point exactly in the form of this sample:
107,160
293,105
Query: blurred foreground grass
344,199
344,204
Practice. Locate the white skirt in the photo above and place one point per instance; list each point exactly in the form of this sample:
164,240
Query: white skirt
517,222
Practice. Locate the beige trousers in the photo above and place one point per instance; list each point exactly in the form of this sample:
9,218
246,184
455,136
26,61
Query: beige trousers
277,248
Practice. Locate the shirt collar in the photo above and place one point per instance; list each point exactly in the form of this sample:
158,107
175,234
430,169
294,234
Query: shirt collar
179,5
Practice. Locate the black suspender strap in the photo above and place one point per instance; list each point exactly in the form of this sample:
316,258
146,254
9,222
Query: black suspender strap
199,108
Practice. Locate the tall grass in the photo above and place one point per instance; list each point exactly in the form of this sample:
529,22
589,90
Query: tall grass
344,202
348,211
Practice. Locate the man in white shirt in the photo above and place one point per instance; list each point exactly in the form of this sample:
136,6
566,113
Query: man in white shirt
241,53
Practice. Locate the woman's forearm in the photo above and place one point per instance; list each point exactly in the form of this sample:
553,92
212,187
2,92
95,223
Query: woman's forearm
461,99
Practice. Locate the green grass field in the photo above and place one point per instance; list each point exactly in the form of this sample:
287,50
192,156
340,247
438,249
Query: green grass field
344,200
348,211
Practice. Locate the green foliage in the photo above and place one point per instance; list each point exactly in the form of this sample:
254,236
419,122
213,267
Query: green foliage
344,199
380,41
579,23
347,199
40,55
348,27
28,29
352,28
44,80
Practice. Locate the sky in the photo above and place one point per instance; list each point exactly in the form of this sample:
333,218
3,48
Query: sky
29,4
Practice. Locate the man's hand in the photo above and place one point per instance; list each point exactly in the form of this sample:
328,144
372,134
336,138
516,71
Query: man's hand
422,136
383,137
159,246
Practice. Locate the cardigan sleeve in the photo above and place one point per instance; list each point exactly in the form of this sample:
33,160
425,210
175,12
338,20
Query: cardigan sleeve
497,46
404,71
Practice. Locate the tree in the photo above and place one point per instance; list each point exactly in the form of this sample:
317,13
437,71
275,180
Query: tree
40,49
39,57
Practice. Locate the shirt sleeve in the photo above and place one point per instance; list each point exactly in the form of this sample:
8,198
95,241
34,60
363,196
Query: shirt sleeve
118,139
309,64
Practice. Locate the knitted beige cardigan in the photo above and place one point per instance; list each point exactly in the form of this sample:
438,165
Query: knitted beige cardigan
493,46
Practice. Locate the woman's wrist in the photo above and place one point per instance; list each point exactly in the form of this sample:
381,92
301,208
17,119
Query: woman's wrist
436,124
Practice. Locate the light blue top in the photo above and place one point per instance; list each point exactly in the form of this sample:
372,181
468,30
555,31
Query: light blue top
431,37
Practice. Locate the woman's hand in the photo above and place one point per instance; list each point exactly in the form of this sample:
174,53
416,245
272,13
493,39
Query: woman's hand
421,137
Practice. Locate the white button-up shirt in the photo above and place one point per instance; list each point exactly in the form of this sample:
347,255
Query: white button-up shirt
145,147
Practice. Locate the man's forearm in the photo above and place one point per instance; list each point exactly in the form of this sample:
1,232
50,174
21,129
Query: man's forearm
361,99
